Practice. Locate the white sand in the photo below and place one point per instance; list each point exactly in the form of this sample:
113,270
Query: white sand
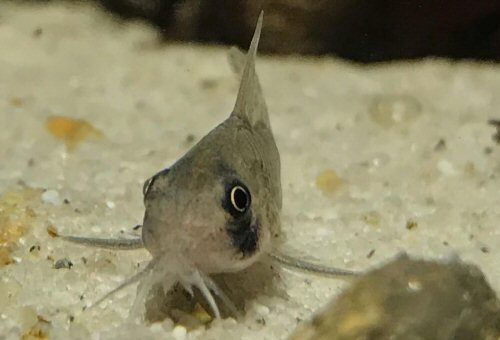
376,127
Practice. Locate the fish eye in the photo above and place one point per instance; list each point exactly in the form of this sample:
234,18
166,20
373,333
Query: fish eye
240,198
237,199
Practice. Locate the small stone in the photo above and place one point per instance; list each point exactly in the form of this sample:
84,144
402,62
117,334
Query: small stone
208,83
17,101
63,263
262,310
414,285
51,197
40,330
156,327
35,248
411,224
391,110
110,204
201,314
52,231
42,318
440,145
179,332
190,138
496,124
372,218
37,32
470,169
446,168
328,181
70,130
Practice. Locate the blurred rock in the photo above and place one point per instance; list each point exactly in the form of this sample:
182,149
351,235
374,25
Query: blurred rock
411,299
359,30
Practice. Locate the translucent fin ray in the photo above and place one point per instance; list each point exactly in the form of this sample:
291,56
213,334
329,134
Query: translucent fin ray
126,283
306,266
106,243
220,293
199,283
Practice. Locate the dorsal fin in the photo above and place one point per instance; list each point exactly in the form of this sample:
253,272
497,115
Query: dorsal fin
250,103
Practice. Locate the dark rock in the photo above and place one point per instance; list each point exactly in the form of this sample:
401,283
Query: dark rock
411,299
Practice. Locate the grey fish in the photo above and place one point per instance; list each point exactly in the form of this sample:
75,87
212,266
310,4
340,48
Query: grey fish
217,209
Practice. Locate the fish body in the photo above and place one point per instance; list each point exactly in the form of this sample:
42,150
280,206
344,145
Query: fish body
190,208
217,209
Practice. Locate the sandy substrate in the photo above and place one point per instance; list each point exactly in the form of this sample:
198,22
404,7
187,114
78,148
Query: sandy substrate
409,142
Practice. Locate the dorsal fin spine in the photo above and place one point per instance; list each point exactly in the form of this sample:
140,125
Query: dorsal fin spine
250,103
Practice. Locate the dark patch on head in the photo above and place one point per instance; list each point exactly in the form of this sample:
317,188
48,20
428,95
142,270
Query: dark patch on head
244,234
242,228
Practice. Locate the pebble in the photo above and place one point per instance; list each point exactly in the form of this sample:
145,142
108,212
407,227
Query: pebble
51,197
179,332
262,310
446,168
63,263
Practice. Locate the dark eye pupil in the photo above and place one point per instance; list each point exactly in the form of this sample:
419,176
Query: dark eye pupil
239,198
